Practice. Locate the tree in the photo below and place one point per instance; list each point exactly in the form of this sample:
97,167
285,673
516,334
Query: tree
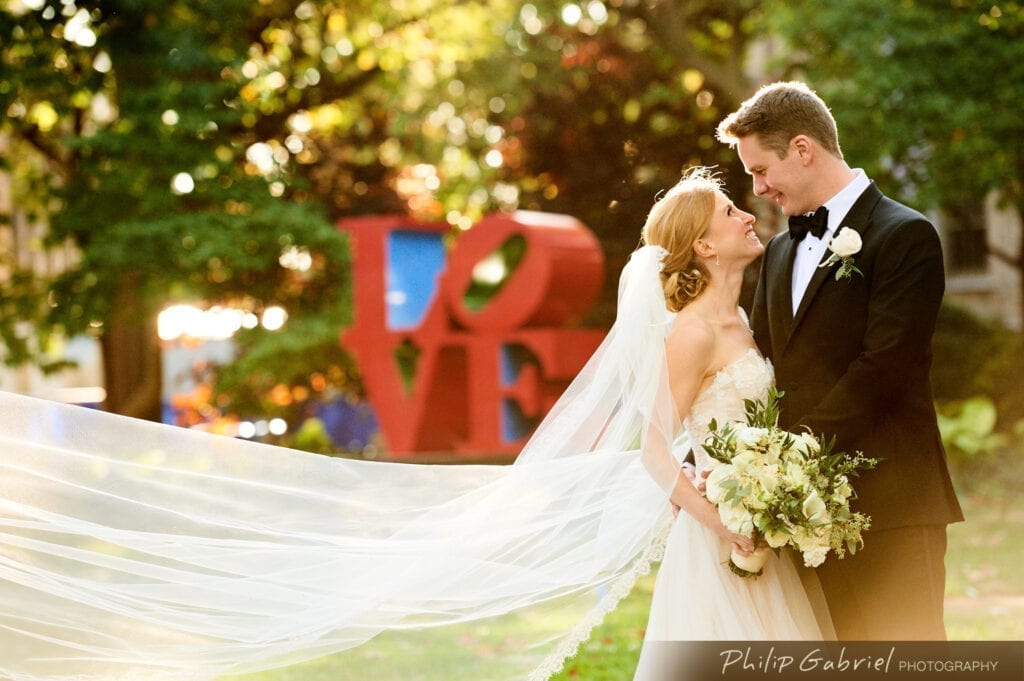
604,104
927,92
140,114
183,147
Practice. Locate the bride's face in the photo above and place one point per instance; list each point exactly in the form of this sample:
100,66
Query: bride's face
731,233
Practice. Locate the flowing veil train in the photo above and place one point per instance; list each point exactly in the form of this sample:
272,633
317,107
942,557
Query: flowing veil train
132,550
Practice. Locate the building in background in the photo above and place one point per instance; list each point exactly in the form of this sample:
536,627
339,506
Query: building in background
21,248
980,241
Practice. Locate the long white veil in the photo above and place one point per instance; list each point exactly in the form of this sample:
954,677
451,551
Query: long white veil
132,550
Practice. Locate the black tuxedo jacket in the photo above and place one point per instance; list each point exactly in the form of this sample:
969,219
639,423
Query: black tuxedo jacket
854,361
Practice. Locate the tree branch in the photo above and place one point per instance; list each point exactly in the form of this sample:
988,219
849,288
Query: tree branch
270,125
330,90
668,21
33,138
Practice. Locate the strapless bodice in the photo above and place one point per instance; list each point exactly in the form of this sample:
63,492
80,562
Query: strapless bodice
747,378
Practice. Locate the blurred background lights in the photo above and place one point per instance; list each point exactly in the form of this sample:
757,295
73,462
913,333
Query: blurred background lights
188,321
597,11
494,134
274,318
276,80
494,158
102,62
295,258
277,426
293,143
182,183
491,270
571,14
77,30
261,156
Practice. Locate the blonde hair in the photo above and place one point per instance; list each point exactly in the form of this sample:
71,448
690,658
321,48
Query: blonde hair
676,221
779,112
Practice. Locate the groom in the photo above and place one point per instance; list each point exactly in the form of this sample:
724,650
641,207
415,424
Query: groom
852,353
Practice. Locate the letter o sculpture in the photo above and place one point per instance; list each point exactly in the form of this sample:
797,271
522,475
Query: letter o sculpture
557,280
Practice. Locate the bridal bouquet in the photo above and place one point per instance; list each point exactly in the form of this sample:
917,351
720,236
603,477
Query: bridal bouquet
783,488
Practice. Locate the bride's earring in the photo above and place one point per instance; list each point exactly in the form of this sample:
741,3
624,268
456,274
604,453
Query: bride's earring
718,263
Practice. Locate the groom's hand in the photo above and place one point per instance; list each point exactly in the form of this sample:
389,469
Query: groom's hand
702,483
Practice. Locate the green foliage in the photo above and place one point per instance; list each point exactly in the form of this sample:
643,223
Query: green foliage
366,106
974,357
926,93
967,429
148,136
603,112
162,138
312,436
764,413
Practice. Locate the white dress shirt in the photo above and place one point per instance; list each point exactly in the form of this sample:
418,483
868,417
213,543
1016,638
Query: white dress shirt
811,249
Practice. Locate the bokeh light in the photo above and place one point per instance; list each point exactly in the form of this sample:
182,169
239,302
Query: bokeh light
274,318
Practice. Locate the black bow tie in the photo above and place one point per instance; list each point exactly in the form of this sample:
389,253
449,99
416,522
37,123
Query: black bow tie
816,223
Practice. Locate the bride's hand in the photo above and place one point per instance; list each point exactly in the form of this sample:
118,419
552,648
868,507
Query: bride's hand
742,544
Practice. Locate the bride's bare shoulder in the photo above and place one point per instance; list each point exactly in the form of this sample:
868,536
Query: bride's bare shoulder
691,336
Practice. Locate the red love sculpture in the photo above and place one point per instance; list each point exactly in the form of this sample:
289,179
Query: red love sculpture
462,353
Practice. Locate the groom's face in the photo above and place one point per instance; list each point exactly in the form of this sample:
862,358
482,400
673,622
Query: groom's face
782,180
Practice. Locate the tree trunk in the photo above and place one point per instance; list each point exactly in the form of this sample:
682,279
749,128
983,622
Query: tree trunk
132,367
1020,265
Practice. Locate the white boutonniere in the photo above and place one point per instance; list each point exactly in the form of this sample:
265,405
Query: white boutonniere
844,246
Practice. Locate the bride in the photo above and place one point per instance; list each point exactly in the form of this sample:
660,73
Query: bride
132,550
713,366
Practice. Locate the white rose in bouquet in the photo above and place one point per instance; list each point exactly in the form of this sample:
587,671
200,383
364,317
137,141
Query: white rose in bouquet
737,519
745,463
794,475
713,485
768,478
778,538
815,555
748,437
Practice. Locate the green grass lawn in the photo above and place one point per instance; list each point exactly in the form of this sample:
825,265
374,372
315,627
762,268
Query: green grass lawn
984,594
985,558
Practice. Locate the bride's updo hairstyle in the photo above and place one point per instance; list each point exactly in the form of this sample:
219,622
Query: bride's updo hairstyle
676,221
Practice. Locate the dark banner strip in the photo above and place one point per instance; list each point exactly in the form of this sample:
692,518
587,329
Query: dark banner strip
846,661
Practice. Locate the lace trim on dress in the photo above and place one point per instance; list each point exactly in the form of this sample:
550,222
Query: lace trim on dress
619,589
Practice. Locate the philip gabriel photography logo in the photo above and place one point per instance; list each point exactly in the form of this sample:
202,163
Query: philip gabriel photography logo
862,660
813,661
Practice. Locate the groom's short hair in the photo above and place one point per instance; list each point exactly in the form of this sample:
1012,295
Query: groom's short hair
779,112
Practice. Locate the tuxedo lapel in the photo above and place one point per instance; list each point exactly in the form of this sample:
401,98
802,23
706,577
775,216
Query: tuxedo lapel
780,300
859,220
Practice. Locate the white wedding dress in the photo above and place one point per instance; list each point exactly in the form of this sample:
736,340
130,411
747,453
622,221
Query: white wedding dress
696,596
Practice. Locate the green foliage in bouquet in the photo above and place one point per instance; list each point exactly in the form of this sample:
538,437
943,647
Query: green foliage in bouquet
783,488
